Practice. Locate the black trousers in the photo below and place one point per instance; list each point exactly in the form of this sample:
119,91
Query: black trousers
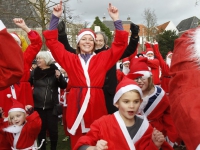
50,124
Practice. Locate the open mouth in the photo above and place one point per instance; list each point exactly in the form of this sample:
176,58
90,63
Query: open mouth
131,113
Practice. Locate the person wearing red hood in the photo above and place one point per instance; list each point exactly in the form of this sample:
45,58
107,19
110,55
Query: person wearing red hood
184,87
164,65
153,64
11,55
21,89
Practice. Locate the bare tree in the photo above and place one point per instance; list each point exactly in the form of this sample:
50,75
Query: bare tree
197,2
150,20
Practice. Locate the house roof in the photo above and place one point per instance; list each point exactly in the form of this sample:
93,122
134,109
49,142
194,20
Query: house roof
188,23
162,27
10,9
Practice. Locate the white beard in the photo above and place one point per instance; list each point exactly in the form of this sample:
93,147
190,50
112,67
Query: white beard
168,61
150,58
125,70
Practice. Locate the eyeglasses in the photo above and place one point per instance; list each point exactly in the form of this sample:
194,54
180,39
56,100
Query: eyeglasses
140,78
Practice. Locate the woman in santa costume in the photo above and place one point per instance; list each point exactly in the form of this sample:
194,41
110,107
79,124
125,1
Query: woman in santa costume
23,130
133,131
22,90
165,77
11,55
184,87
155,105
86,72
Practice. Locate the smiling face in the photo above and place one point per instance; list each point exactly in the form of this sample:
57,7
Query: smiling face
86,44
17,118
128,105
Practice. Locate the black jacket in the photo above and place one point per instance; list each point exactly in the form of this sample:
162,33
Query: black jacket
110,82
45,92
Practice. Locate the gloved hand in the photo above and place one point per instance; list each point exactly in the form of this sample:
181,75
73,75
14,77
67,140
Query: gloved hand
134,30
61,28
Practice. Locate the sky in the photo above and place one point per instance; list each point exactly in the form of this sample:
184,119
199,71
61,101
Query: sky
165,10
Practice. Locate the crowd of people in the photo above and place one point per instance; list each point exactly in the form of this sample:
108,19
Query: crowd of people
144,102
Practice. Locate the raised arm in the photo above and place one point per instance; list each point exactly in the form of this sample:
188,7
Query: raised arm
62,37
133,43
11,59
35,46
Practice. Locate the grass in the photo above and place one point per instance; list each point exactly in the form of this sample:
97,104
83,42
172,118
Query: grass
61,135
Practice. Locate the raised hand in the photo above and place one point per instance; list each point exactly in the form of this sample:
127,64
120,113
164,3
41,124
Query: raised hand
158,138
21,23
58,9
113,12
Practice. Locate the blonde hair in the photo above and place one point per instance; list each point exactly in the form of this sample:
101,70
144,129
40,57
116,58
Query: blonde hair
150,83
46,56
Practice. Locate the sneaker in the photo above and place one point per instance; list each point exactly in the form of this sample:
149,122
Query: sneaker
65,139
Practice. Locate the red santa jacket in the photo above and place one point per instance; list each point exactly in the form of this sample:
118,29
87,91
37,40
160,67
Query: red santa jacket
4,144
158,113
22,90
165,77
112,129
86,99
155,70
28,134
11,60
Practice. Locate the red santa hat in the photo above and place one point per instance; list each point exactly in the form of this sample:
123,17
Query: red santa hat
17,38
169,53
139,66
126,85
2,26
125,60
17,106
149,51
84,32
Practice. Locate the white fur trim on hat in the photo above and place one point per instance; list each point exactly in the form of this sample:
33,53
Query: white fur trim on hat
125,89
16,109
126,62
195,48
145,74
16,38
84,33
149,52
2,26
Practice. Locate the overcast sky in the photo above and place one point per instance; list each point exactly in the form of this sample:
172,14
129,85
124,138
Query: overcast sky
165,10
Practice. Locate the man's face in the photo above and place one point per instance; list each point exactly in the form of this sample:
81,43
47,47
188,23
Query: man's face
99,41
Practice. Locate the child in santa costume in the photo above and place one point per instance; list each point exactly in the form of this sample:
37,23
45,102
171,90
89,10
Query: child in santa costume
22,90
23,130
153,64
165,77
11,55
155,105
184,87
124,129
86,72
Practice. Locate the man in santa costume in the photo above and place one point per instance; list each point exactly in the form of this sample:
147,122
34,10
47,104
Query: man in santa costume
184,87
22,90
155,105
164,65
125,63
11,59
133,131
153,63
